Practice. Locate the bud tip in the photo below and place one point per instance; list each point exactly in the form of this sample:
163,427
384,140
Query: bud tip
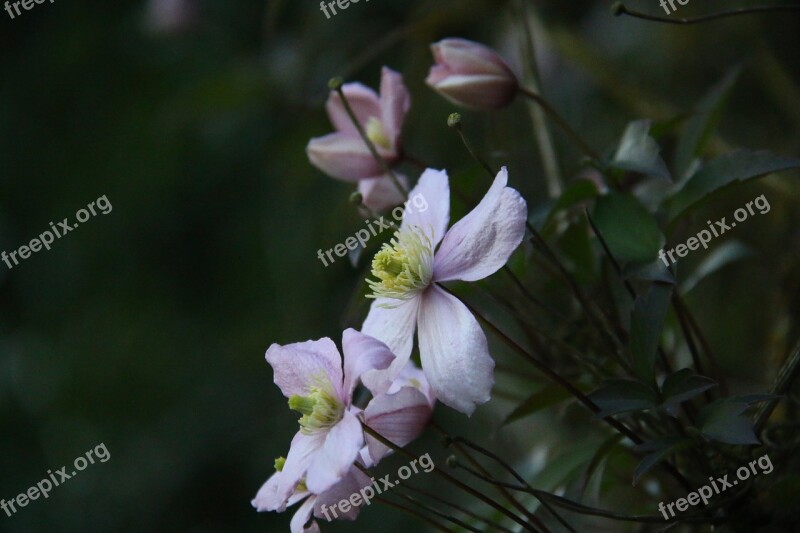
335,83
454,120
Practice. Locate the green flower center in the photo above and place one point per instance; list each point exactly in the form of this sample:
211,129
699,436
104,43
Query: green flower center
404,266
377,133
321,409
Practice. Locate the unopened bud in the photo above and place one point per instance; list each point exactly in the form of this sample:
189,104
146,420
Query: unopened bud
357,198
335,83
454,120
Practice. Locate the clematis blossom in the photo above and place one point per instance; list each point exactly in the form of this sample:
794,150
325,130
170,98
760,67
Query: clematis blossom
400,413
471,74
312,505
320,386
344,154
453,348
319,468
379,194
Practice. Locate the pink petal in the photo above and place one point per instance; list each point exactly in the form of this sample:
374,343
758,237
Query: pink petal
353,482
395,103
345,157
476,91
400,417
362,355
362,100
437,74
337,455
428,205
467,57
454,352
302,516
276,493
297,366
413,376
395,328
381,193
480,244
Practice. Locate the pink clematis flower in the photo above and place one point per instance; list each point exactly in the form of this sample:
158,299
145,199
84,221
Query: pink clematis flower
380,194
344,154
471,75
319,467
453,348
314,504
318,385
400,413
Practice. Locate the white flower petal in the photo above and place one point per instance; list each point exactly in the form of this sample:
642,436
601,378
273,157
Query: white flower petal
454,352
334,460
480,244
428,205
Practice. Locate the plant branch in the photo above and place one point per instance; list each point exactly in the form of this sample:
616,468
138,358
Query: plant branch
620,9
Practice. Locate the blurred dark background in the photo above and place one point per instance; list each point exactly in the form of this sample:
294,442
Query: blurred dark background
145,329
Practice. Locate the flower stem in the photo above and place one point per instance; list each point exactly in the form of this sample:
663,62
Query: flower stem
440,514
509,469
531,517
561,123
558,379
441,473
336,84
543,136
783,383
454,121
414,513
620,9
458,508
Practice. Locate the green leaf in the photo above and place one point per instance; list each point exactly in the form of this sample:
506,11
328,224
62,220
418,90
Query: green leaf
650,271
647,321
639,152
737,166
622,396
722,421
704,120
684,385
576,246
737,430
547,397
725,254
630,231
660,449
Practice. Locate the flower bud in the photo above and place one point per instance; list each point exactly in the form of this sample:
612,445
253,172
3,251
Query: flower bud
471,75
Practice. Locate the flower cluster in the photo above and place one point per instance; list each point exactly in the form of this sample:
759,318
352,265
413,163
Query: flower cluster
335,442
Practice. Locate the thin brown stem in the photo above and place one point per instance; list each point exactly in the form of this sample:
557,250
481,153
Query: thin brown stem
531,517
336,84
414,513
458,508
561,123
620,9
441,473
